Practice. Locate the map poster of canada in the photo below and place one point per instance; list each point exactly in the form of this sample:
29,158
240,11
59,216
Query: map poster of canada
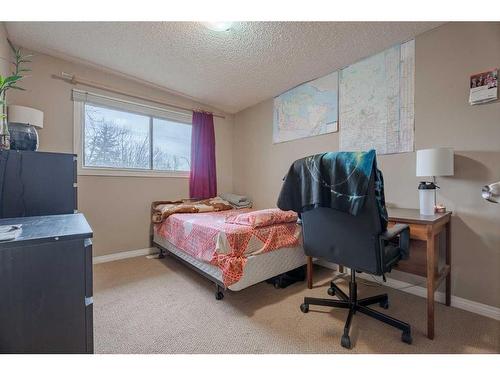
307,110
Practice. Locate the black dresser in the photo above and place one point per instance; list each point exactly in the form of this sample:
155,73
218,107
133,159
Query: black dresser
36,183
46,286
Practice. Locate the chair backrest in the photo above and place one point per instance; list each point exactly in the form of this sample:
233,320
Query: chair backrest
341,238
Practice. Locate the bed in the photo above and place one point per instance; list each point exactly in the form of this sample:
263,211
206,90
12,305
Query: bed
233,256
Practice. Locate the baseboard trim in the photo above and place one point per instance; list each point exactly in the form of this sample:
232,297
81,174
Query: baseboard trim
458,302
124,255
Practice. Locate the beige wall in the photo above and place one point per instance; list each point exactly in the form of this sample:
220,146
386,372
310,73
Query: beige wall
445,57
117,208
4,51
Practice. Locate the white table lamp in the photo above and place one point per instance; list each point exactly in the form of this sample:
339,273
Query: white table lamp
434,162
25,115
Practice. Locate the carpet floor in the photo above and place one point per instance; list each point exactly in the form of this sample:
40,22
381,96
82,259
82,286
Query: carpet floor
160,306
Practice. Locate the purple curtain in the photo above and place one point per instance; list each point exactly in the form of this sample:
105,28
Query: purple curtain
202,178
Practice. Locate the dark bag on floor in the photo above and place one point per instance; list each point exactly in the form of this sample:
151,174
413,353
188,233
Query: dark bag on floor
288,278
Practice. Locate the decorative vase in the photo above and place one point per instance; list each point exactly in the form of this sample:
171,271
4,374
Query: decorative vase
23,137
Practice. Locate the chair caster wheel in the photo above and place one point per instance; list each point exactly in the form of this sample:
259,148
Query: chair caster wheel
304,308
331,292
345,341
406,337
384,304
219,296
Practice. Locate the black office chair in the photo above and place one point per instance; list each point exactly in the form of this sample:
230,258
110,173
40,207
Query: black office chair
356,242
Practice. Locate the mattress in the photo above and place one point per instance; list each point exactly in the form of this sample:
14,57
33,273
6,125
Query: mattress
258,267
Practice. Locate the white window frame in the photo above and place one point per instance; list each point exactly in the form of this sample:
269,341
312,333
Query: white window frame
80,98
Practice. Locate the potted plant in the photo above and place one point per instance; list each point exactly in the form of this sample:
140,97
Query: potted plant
7,83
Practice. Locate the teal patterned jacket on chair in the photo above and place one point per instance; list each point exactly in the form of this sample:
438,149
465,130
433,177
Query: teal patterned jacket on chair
338,180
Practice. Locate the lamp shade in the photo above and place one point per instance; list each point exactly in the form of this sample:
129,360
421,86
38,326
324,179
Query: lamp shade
25,115
435,162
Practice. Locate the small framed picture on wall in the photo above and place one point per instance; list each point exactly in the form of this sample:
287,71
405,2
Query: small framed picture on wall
483,87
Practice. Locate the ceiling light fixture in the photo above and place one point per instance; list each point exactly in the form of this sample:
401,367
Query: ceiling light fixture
218,26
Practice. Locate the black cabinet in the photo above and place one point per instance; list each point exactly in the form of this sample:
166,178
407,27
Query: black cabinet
46,286
37,183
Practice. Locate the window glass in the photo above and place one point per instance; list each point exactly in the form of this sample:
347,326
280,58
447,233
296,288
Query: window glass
116,139
171,145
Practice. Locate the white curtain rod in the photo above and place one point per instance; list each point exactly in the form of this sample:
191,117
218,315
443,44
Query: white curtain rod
74,80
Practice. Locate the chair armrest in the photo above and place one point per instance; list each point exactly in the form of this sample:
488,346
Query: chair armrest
402,232
393,231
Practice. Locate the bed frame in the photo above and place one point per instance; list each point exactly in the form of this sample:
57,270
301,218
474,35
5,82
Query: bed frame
294,262
258,267
219,286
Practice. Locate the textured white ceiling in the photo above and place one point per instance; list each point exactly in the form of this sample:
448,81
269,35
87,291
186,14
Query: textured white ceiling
230,70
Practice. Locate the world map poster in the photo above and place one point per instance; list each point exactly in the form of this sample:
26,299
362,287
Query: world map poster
307,110
377,102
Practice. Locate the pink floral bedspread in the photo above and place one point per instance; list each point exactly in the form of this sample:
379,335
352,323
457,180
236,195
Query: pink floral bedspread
206,236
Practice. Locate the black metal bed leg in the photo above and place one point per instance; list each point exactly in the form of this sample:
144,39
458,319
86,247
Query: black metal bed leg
218,292
161,254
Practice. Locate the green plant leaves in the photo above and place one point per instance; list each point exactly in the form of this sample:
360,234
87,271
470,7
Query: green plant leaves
10,82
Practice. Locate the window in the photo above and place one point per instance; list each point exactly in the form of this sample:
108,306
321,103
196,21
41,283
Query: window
122,138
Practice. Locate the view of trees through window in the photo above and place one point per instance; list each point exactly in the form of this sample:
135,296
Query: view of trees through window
119,139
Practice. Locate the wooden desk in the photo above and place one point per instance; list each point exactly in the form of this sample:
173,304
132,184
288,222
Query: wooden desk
424,254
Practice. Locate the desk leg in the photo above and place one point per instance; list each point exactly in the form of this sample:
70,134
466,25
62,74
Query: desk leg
431,261
309,272
448,263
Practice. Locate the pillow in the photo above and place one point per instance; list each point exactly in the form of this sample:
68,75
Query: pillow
263,218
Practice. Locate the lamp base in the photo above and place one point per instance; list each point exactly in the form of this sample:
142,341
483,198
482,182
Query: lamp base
23,137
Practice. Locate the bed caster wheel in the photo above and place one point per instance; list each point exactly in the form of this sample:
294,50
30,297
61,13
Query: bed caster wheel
304,308
331,292
406,337
219,296
277,284
384,304
345,341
